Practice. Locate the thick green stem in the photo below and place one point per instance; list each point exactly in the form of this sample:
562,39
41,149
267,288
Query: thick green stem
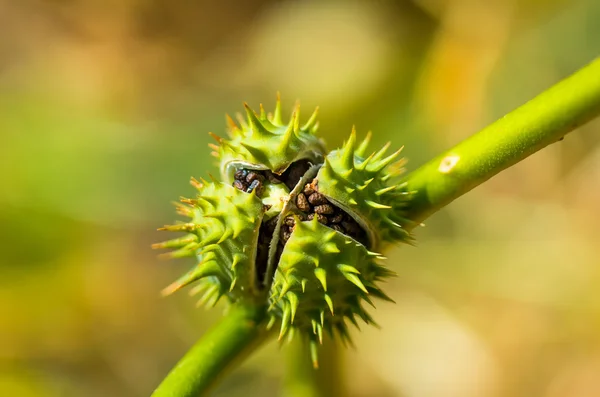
238,334
533,126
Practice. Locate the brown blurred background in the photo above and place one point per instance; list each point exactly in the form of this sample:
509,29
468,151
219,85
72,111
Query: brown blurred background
105,107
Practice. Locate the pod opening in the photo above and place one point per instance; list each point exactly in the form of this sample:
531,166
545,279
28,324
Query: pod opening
308,203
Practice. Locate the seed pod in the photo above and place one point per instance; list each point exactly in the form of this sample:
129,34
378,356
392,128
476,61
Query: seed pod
293,227
223,221
367,188
322,278
265,143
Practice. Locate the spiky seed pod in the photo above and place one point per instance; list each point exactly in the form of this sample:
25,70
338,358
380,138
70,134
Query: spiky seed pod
367,187
315,274
222,234
322,280
264,142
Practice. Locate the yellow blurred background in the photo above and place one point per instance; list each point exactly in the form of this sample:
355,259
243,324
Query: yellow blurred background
104,112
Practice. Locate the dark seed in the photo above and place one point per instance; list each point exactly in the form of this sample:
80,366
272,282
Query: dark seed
302,203
325,209
321,218
253,176
308,189
289,221
240,185
317,199
295,172
240,174
337,218
338,228
256,185
285,236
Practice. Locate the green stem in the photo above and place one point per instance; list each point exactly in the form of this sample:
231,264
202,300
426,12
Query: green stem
238,334
302,380
533,126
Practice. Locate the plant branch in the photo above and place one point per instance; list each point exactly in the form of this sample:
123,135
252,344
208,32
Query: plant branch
531,127
229,342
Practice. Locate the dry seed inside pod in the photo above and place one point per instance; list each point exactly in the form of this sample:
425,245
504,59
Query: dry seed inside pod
302,203
317,199
324,209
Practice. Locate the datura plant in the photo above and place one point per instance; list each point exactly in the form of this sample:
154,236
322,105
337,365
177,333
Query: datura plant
290,235
292,225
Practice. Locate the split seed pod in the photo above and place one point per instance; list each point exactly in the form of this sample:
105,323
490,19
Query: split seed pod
293,226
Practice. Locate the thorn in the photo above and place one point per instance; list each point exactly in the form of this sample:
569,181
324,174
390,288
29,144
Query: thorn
195,183
303,282
363,165
376,292
347,155
314,354
315,128
347,269
321,275
322,317
320,333
271,322
329,303
377,205
284,289
387,161
256,152
312,121
216,137
241,120
381,152
353,278
182,227
285,320
175,243
232,126
367,183
277,112
293,301
385,190
330,248
296,116
226,234
236,260
362,148
353,320
288,135
263,114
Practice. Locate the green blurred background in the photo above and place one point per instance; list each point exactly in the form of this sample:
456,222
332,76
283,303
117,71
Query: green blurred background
104,112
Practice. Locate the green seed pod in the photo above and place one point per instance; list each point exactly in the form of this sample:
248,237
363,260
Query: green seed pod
322,278
222,234
264,142
292,228
367,188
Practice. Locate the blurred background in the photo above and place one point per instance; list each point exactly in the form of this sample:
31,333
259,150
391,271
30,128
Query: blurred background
104,112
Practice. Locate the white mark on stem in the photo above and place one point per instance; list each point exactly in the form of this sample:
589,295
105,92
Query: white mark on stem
448,163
